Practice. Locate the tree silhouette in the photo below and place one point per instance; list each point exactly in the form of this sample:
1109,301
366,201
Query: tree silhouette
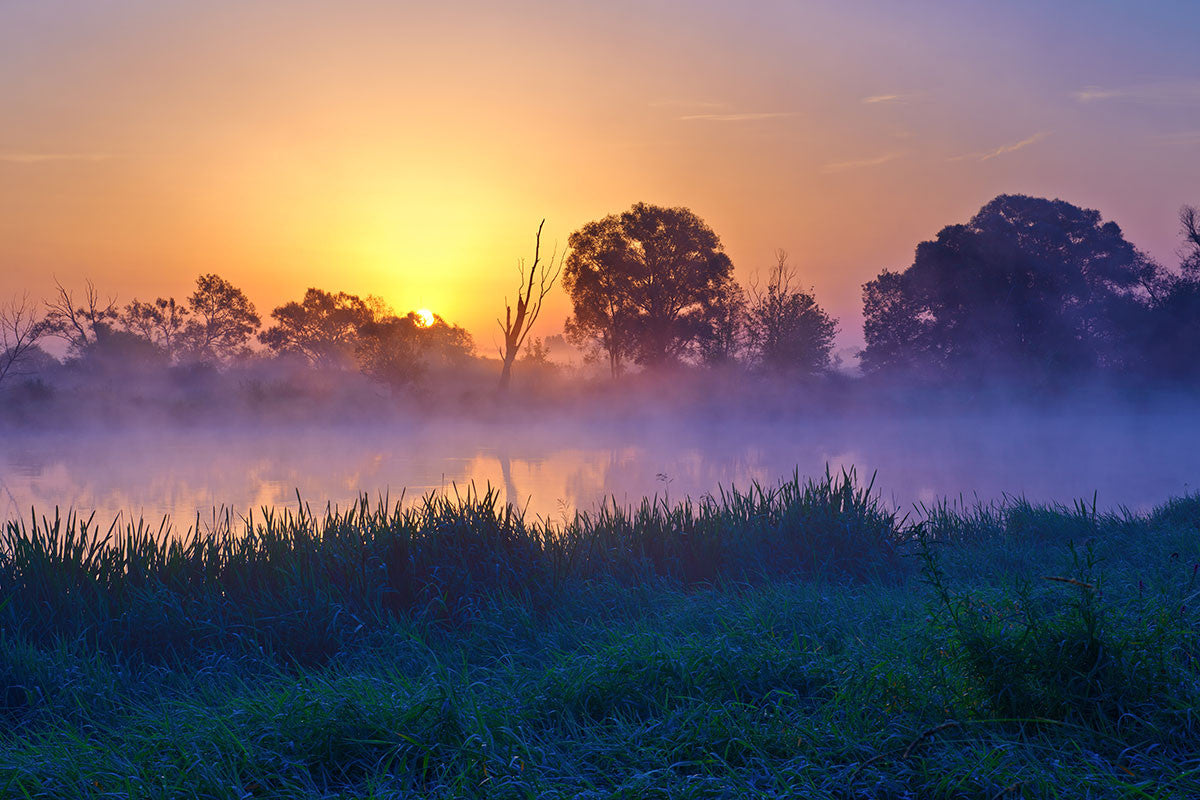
161,322
1172,333
892,325
530,297
222,320
1033,287
20,330
788,330
323,327
724,338
643,283
79,324
399,351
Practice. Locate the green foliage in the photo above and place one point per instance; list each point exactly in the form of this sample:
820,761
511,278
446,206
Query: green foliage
454,650
1060,649
302,585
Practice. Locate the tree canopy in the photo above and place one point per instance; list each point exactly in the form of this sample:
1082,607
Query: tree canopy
1027,284
643,283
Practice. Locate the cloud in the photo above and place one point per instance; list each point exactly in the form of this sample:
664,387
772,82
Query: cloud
1180,137
686,104
860,163
741,116
1004,149
42,158
1187,93
884,98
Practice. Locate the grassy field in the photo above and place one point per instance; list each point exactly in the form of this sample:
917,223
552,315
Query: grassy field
800,641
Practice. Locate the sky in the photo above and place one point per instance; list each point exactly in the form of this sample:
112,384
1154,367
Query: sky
409,150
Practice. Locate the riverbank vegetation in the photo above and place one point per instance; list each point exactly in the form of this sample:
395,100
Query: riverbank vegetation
795,640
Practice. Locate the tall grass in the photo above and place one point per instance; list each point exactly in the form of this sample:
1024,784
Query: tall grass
790,641
300,584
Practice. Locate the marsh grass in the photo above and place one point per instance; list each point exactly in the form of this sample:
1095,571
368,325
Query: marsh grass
779,642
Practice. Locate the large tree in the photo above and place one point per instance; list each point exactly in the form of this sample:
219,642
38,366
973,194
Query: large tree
1030,286
643,283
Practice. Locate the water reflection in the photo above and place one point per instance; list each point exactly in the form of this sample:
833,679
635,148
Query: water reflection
552,470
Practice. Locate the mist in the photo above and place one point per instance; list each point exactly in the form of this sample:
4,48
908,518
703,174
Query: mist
552,459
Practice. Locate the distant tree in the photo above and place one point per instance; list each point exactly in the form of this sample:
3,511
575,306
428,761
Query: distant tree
1172,333
1030,286
643,283
400,351
161,322
1189,220
121,353
323,327
222,322
81,323
530,297
20,331
724,338
789,331
537,354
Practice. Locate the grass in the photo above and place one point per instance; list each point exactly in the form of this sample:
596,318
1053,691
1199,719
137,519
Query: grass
791,641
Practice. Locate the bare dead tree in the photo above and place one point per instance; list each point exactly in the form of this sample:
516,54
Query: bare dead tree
531,293
79,325
20,330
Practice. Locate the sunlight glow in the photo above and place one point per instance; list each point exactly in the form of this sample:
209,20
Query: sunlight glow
424,317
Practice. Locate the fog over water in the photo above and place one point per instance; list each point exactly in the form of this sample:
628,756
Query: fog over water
551,469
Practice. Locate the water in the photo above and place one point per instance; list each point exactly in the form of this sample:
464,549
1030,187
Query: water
551,470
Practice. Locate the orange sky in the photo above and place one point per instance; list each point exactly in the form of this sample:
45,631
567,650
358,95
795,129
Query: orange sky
409,151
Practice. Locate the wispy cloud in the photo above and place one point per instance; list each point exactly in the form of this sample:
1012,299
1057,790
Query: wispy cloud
885,98
1185,93
1004,149
41,158
676,103
741,116
859,163
1179,137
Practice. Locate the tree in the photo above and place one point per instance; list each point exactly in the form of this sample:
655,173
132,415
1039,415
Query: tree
724,338
1189,220
644,283
529,306
20,330
323,327
222,320
399,351
1035,287
161,322
892,325
1172,335
789,330
79,325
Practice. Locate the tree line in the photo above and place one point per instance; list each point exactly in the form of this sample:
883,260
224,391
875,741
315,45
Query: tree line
1029,289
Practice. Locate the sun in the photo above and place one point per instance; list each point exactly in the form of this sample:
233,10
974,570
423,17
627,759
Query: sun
424,317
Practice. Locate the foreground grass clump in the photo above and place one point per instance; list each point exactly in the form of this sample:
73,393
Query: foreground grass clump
302,585
1001,651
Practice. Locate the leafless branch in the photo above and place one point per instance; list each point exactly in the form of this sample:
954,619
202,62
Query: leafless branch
531,295
20,330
